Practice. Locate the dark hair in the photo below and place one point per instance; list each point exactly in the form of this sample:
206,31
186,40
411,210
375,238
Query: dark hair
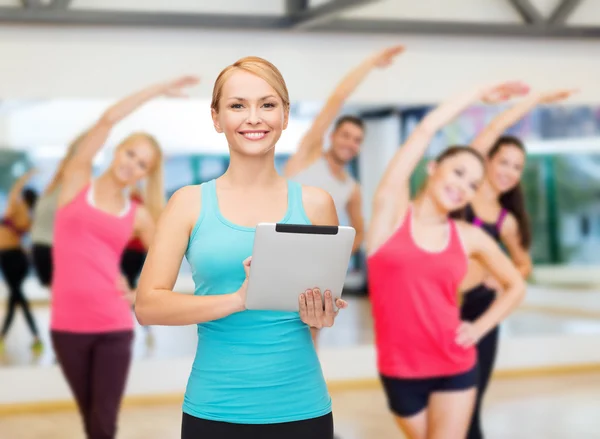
350,119
513,200
453,150
30,197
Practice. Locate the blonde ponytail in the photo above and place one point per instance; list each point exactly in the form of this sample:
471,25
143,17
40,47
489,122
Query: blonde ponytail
154,196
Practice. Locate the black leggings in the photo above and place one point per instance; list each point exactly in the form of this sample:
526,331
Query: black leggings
42,262
476,302
317,428
14,265
96,366
132,262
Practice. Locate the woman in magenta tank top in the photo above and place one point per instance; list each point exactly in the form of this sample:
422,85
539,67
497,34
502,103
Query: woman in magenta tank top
499,209
417,258
91,318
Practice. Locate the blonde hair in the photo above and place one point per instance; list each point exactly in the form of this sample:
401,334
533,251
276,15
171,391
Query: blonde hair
256,66
154,191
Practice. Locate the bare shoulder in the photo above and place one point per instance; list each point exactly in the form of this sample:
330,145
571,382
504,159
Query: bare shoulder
473,238
187,194
142,214
184,206
510,226
313,196
319,206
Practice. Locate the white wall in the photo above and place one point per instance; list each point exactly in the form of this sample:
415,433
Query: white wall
180,125
45,62
382,140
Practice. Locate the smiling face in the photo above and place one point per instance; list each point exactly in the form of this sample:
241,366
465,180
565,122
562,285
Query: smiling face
346,140
454,180
134,159
505,167
250,106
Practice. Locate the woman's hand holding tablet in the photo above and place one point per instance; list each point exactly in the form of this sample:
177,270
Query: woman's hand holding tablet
316,309
314,312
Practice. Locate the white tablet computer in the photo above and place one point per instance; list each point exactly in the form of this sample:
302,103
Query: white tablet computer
287,259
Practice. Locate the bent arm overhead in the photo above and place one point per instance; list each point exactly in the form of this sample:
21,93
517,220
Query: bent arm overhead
15,191
392,195
311,145
78,168
489,135
97,135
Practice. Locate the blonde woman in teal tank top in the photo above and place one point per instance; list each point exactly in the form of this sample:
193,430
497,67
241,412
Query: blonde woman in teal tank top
256,373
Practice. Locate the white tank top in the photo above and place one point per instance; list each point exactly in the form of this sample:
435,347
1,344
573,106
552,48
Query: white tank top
42,228
319,174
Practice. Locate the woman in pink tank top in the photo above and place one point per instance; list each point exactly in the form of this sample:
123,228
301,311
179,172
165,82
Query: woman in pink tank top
91,318
417,258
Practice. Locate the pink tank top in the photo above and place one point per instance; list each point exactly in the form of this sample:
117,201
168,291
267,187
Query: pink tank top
87,249
414,295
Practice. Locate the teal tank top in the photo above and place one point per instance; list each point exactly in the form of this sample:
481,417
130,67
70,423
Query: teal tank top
251,367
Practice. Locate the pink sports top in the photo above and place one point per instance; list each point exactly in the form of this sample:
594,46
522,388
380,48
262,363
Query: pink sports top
87,249
414,295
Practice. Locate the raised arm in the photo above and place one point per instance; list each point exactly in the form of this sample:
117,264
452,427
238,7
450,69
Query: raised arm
311,145
484,249
156,302
15,191
497,127
392,195
77,170
60,169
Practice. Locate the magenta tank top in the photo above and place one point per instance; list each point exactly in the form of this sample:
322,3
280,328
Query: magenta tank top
87,249
415,306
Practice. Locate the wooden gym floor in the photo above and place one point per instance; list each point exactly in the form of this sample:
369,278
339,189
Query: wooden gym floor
550,407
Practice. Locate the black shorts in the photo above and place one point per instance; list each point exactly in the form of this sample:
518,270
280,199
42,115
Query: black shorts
42,262
132,262
408,396
316,428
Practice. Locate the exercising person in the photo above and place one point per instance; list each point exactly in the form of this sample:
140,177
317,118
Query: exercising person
256,373
91,318
417,258
42,227
13,261
499,209
312,165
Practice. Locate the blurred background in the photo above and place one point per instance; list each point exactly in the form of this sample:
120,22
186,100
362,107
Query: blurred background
64,62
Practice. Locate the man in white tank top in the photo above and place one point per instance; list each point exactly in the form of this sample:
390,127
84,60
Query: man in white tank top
312,166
